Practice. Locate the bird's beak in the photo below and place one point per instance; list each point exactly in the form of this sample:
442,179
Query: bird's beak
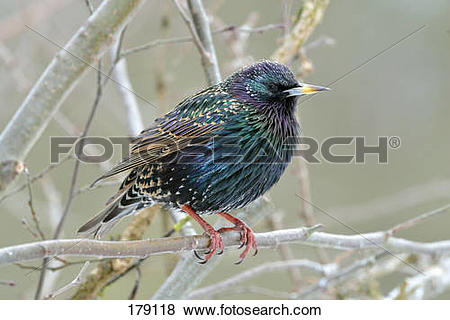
304,89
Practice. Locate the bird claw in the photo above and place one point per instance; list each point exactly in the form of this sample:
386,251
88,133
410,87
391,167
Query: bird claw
198,256
247,239
215,246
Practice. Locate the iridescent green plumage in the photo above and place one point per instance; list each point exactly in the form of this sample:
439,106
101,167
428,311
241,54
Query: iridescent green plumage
217,150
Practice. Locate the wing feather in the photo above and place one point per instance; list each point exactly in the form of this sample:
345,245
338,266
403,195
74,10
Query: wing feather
170,134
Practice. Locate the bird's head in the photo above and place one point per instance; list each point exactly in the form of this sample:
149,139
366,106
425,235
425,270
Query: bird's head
269,84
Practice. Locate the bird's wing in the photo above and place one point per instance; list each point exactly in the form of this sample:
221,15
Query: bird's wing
170,134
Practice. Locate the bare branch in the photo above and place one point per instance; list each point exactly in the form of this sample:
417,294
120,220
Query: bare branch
73,183
30,204
159,42
188,273
36,177
427,286
201,33
34,13
28,228
311,15
75,282
120,75
416,220
323,283
7,283
206,57
286,253
202,28
105,271
58,80
145,248
136,284
178,283
254,272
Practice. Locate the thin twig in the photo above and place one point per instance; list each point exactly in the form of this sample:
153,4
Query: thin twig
237,42
435,281
187,273
120,74
136,284
28,228
411,222
36,177
206,56
90,187
7,283
74,283
89,42
64,265
106,272
159,42
71,129
338,276
79,151
261,269
76,168
285,251
30,204
311,14
193,30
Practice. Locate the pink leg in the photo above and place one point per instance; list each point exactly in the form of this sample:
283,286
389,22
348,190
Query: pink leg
216,238
247,235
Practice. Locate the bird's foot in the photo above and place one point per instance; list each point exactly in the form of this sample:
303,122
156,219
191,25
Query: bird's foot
216,239
247,236
216,243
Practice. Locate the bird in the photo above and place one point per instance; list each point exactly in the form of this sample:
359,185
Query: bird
217,150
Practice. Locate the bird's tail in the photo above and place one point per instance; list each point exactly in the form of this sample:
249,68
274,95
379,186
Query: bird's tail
125,203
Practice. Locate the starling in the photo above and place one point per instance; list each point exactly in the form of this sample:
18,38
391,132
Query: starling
218,150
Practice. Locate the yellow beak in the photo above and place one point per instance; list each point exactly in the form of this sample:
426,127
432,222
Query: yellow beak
304,89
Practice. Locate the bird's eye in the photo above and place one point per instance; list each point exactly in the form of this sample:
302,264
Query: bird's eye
272,87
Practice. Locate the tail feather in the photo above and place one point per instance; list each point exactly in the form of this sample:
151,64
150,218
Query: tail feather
128,203
106,219
125,202
94,225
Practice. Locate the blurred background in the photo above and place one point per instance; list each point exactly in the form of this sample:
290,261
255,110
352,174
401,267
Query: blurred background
404,92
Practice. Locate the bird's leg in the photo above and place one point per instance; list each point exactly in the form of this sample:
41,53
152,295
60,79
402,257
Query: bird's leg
247,235
216,238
